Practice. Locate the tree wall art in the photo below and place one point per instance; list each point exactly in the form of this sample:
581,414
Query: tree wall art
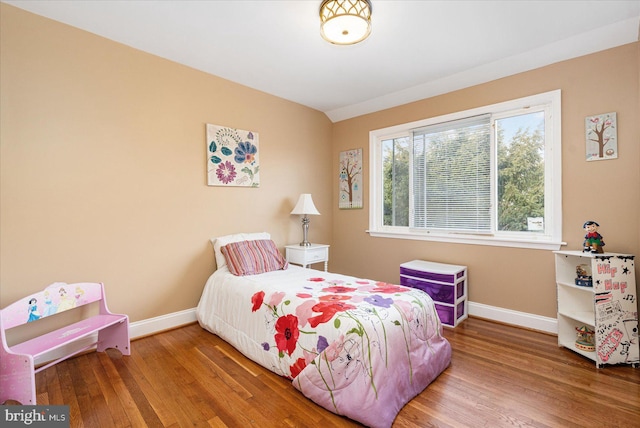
350,179
602,136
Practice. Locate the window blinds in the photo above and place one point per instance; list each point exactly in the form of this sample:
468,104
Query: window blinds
452,176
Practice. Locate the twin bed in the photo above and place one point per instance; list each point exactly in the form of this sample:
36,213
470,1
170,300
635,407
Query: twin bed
357,347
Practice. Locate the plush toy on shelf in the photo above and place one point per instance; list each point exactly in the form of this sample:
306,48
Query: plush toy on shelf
593,241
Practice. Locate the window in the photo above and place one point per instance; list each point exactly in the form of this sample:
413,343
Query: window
396,181
484,176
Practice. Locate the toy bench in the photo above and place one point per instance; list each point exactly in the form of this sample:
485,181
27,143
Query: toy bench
17,367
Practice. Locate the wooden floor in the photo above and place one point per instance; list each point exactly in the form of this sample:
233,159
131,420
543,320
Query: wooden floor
500,376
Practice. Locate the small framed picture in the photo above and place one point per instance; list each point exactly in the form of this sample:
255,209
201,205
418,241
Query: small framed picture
350,179
232,157
601,133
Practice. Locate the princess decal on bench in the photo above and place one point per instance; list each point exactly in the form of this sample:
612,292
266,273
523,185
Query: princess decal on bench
18,361
33,310
49,307
64,303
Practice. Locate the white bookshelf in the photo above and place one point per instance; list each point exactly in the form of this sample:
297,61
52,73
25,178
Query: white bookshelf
608,307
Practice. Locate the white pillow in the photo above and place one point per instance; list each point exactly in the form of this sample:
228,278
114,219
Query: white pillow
221,241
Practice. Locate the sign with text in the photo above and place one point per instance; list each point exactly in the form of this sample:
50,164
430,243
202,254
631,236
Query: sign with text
616,310
35,416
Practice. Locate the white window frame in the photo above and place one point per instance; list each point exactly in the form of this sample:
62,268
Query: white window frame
552,240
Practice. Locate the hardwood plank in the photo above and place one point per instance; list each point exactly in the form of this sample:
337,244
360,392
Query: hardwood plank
170,385
116,395
217,423
68,393
151,406
94,413
500,376
192,374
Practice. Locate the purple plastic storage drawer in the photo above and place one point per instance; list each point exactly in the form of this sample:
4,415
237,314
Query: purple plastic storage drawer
446,314
460,310
460,289
446,293
442,277
446,284
433,271
450,315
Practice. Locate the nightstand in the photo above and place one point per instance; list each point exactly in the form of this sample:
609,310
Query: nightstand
306,256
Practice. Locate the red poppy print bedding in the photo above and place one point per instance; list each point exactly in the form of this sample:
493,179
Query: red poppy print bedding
357,347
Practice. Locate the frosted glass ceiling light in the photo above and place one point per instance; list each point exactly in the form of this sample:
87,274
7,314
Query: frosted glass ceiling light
345,22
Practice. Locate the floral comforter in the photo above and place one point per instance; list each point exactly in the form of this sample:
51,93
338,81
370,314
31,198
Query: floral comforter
357,347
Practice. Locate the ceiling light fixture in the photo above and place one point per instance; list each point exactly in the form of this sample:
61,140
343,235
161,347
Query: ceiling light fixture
345,22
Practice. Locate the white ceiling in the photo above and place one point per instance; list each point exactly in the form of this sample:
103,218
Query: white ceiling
417,49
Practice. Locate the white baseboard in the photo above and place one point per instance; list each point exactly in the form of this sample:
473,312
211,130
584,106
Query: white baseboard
161,323
520,319
494,313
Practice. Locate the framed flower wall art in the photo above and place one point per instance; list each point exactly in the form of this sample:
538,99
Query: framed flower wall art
602,136
232,157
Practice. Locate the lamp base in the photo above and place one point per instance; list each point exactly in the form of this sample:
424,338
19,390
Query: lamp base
305,231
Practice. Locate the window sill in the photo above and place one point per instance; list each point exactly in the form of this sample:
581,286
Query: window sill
472,240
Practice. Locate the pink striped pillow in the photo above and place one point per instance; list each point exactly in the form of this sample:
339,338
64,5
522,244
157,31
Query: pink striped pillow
253,257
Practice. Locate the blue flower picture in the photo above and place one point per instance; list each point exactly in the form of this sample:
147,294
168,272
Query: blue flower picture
232,157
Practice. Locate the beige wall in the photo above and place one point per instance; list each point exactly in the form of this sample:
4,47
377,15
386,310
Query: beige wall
103,168
606,191
102,164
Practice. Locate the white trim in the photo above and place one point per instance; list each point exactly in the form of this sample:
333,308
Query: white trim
607,37
161,323
470,239
508,316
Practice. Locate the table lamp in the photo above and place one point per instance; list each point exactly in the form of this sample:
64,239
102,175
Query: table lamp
305,207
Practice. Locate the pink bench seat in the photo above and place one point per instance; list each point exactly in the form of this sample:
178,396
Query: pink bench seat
17,369
64,336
